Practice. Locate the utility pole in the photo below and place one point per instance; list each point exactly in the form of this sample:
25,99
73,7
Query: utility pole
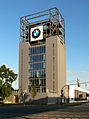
77,90
78,85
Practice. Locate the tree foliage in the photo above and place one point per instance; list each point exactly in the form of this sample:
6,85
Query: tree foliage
33,92
7,77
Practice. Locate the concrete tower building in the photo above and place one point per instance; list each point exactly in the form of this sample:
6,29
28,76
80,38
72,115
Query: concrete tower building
42,55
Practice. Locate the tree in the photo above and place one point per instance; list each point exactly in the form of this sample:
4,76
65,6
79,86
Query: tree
7,77
33,92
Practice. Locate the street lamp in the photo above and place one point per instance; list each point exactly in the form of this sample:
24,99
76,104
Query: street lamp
62,93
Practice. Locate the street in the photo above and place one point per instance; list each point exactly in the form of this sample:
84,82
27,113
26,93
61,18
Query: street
44,112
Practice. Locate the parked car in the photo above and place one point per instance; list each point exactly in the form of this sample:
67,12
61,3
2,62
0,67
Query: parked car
1,100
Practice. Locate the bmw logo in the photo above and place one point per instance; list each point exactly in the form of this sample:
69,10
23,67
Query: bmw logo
36,33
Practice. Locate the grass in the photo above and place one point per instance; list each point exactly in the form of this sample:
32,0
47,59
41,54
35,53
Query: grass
66,104
76,103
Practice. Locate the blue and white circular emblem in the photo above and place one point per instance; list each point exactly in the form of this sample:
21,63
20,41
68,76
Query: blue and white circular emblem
36,33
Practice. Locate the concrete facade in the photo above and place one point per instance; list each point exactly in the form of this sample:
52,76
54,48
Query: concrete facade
58,74
55,69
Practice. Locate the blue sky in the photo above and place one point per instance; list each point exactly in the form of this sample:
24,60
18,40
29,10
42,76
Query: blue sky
76,15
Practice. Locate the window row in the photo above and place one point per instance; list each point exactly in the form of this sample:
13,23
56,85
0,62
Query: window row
40,85
39,89
37,82
37,66
37,74
37,58
37,50
43,90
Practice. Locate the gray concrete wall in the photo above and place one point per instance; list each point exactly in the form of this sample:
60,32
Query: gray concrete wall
23,66
59,70
61,64
51,64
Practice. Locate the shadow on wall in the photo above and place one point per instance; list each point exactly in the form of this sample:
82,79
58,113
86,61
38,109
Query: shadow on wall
47,100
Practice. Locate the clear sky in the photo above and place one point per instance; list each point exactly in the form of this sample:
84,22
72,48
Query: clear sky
76,15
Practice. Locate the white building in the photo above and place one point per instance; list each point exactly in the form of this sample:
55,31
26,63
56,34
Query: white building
78,93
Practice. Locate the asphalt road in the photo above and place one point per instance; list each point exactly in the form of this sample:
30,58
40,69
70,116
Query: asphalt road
44,112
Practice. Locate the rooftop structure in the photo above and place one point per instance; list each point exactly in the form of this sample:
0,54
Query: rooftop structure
51,19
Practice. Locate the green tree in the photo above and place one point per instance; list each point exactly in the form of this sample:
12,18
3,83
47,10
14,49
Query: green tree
7,77
33,92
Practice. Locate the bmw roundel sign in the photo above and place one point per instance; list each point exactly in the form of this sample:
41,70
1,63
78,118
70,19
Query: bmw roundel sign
36,33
